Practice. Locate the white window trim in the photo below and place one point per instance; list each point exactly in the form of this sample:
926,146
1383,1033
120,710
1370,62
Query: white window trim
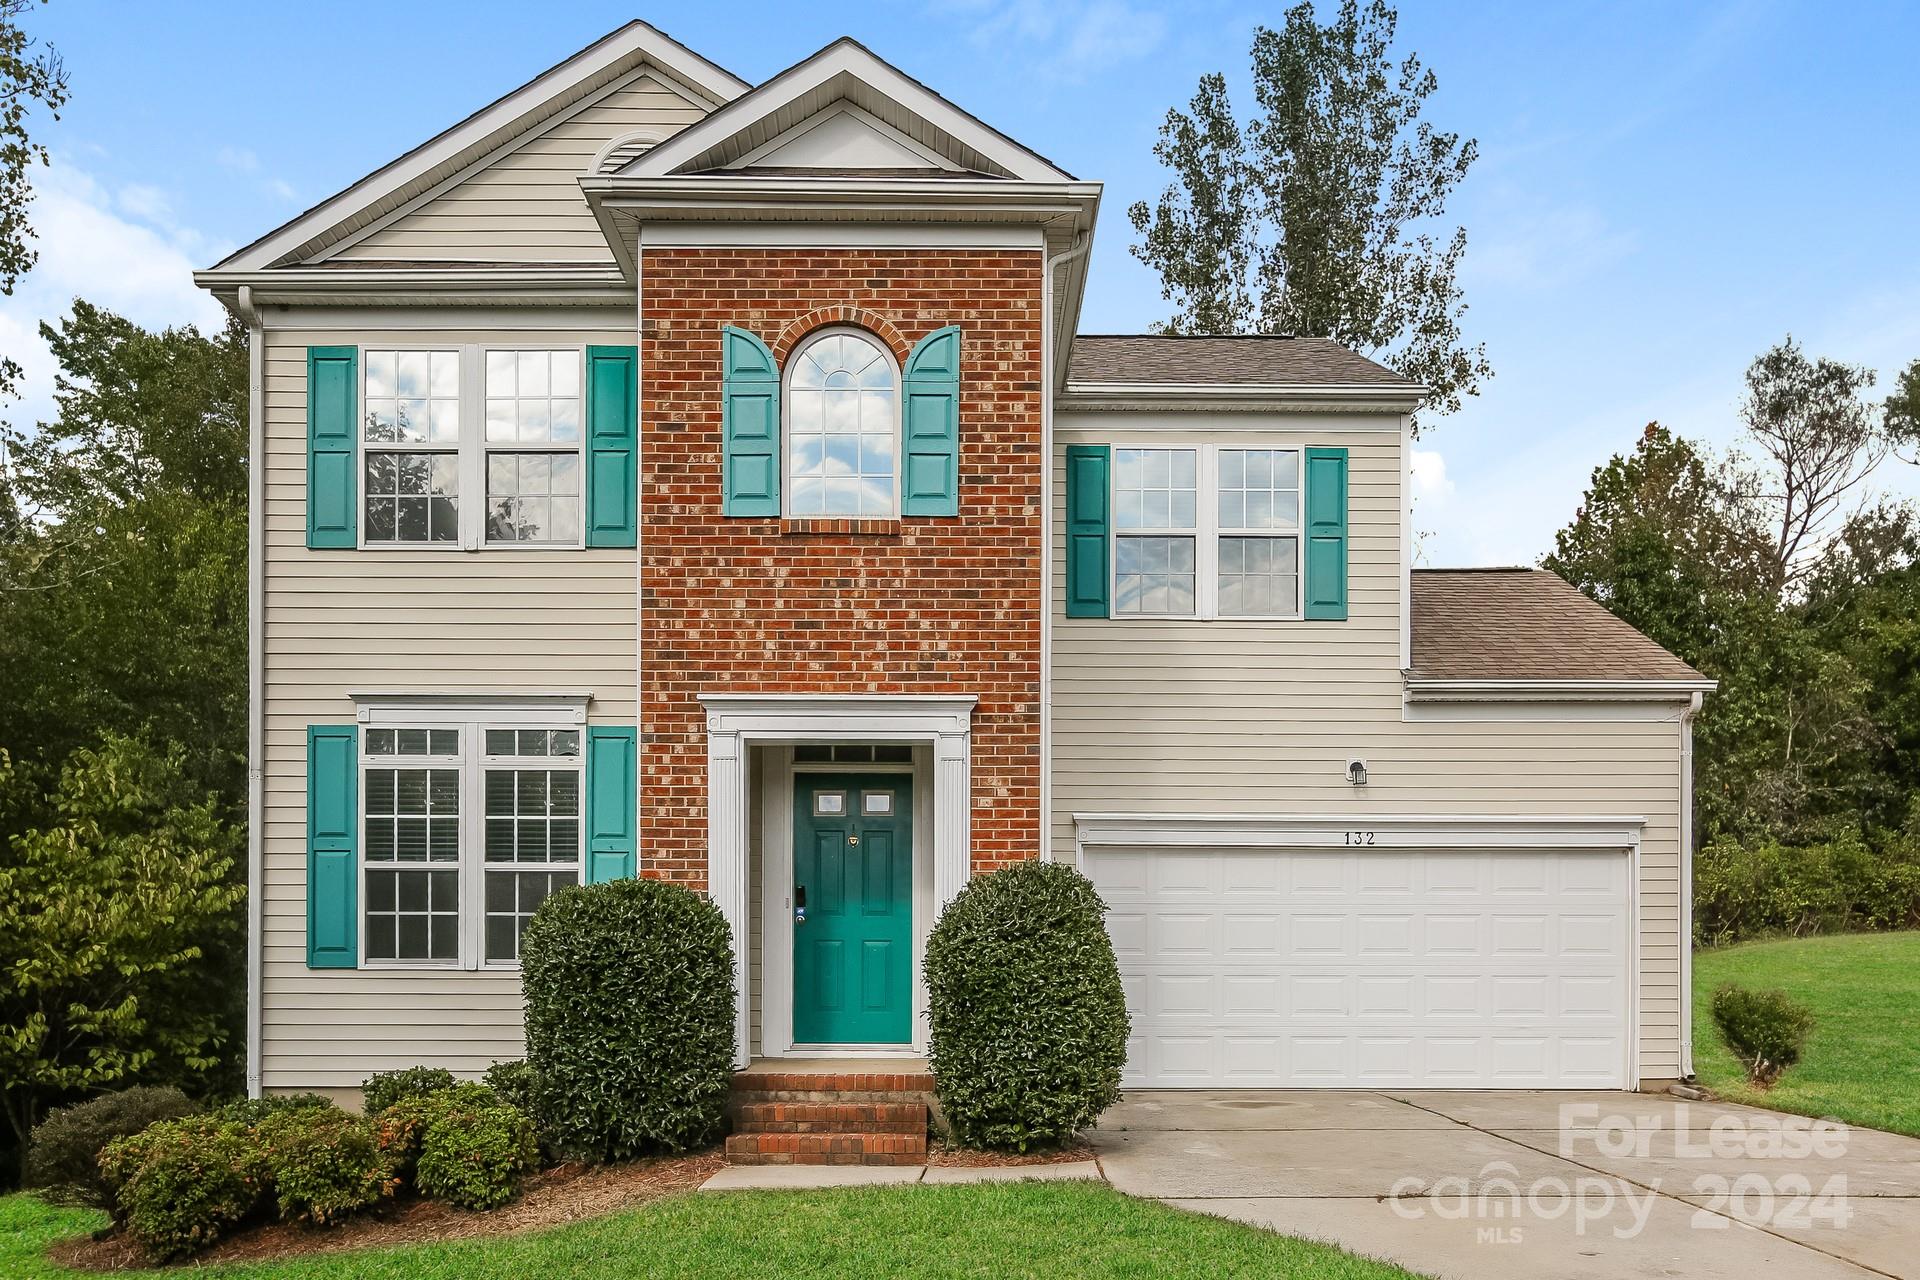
1206,534
472,762
786,429
471,448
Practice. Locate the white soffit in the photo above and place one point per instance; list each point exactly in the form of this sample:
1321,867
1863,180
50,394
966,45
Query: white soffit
844,72
519,112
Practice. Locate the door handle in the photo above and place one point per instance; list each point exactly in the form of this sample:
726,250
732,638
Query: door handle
799,904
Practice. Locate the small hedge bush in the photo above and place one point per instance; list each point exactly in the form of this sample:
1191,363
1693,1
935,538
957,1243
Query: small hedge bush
1029,1020
384,1088
515,1083
253,1112
402,1128
629,1016
324,1164
63,1160
1767,1030
474,1156
1764,888
179,1185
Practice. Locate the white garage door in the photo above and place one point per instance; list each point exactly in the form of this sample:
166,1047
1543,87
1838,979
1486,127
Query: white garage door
1458,968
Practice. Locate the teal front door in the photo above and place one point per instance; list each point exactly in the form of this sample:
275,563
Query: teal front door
853,909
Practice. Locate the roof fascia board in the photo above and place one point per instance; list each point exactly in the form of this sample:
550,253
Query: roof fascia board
635,39
642,72
846,57
1245,396
1423,689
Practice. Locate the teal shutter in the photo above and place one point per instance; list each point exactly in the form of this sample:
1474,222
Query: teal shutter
612,832
333,819
613,450
1088,583
750,458
930,475
333,446
1326,493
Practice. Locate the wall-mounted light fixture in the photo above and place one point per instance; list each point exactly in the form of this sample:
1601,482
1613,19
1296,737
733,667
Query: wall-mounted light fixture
1357,772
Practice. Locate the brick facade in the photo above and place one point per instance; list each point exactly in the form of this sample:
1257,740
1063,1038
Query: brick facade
916,606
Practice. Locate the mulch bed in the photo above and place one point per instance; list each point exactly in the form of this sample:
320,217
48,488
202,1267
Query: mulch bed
550,1198
1076,1150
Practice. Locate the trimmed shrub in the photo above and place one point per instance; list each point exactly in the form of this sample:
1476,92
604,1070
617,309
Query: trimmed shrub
253,1112
515,1083
63,1160
384,1088
1029,1020
324,1164
630,1007
180,1185
402,1127
1767,1030
1763,888
473,1157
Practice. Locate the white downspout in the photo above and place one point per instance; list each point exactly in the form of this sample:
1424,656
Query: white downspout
256,668
1081,243
1686,885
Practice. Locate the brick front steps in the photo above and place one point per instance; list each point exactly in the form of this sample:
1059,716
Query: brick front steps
829,1117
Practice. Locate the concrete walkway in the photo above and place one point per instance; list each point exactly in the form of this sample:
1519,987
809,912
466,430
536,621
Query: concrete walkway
1522,1184
789,1177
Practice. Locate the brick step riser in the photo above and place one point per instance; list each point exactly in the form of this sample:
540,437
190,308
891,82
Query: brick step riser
826,1082
863,1161
759,1097
814,1117
827,1148
830,1126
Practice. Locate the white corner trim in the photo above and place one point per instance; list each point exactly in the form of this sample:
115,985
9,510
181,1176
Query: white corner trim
1686,885
1357,831
1420,689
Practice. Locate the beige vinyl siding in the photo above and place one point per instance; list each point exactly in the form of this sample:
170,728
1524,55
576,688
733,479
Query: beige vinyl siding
525,205
338,621
1251,718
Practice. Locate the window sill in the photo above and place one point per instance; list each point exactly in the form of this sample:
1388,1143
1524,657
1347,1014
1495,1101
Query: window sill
841,525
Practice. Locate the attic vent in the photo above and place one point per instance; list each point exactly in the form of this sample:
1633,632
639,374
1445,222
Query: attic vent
622,151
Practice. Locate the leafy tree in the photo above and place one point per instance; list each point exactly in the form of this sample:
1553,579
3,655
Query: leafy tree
1811,421
107,907
1320,215
29,75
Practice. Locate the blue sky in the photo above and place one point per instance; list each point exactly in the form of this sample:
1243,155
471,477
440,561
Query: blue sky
1663,190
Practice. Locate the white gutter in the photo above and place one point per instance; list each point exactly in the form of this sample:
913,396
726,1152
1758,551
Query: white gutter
1241,395
1686,885
256,707
1433,690
1081,243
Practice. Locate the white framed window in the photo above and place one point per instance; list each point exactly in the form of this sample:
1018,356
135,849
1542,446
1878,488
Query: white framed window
410,430
842,420
472,445
1206,531
466,827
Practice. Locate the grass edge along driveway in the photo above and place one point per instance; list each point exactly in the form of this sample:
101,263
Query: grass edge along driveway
992,1231
1862,1063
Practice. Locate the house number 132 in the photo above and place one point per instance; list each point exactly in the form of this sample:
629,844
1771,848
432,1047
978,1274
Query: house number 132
1359,837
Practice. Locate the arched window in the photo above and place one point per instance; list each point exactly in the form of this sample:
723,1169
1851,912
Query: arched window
843,426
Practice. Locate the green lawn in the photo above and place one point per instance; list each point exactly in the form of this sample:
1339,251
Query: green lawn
1862,1063
991,1231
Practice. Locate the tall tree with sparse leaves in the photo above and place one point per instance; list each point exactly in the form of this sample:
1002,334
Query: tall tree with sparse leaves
1323,214
30,75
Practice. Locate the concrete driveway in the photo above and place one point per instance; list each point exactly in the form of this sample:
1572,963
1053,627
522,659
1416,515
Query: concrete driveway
1522,1184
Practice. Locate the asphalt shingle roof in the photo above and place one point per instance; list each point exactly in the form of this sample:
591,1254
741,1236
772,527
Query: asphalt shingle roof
1525,624
1250,359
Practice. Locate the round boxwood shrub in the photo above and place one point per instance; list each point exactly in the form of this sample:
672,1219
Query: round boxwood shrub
180,1185
401,1128
1767,1030
324,1164
514,1082
63,1160
384,1088
474,1156
630,1007
1029,1021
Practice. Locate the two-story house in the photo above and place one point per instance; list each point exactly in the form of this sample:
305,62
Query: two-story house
659,474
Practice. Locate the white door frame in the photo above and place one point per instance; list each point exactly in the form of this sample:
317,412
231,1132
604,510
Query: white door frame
737,722
1359,832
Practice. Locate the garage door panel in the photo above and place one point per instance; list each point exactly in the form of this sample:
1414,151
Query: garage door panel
1288,967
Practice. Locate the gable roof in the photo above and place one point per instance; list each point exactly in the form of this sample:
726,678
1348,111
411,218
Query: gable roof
517,113
845,71
1527,625
1248,359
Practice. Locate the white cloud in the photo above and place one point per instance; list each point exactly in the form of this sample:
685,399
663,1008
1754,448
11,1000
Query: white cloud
238,159
281,189
1533,244
120,252
1067,41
